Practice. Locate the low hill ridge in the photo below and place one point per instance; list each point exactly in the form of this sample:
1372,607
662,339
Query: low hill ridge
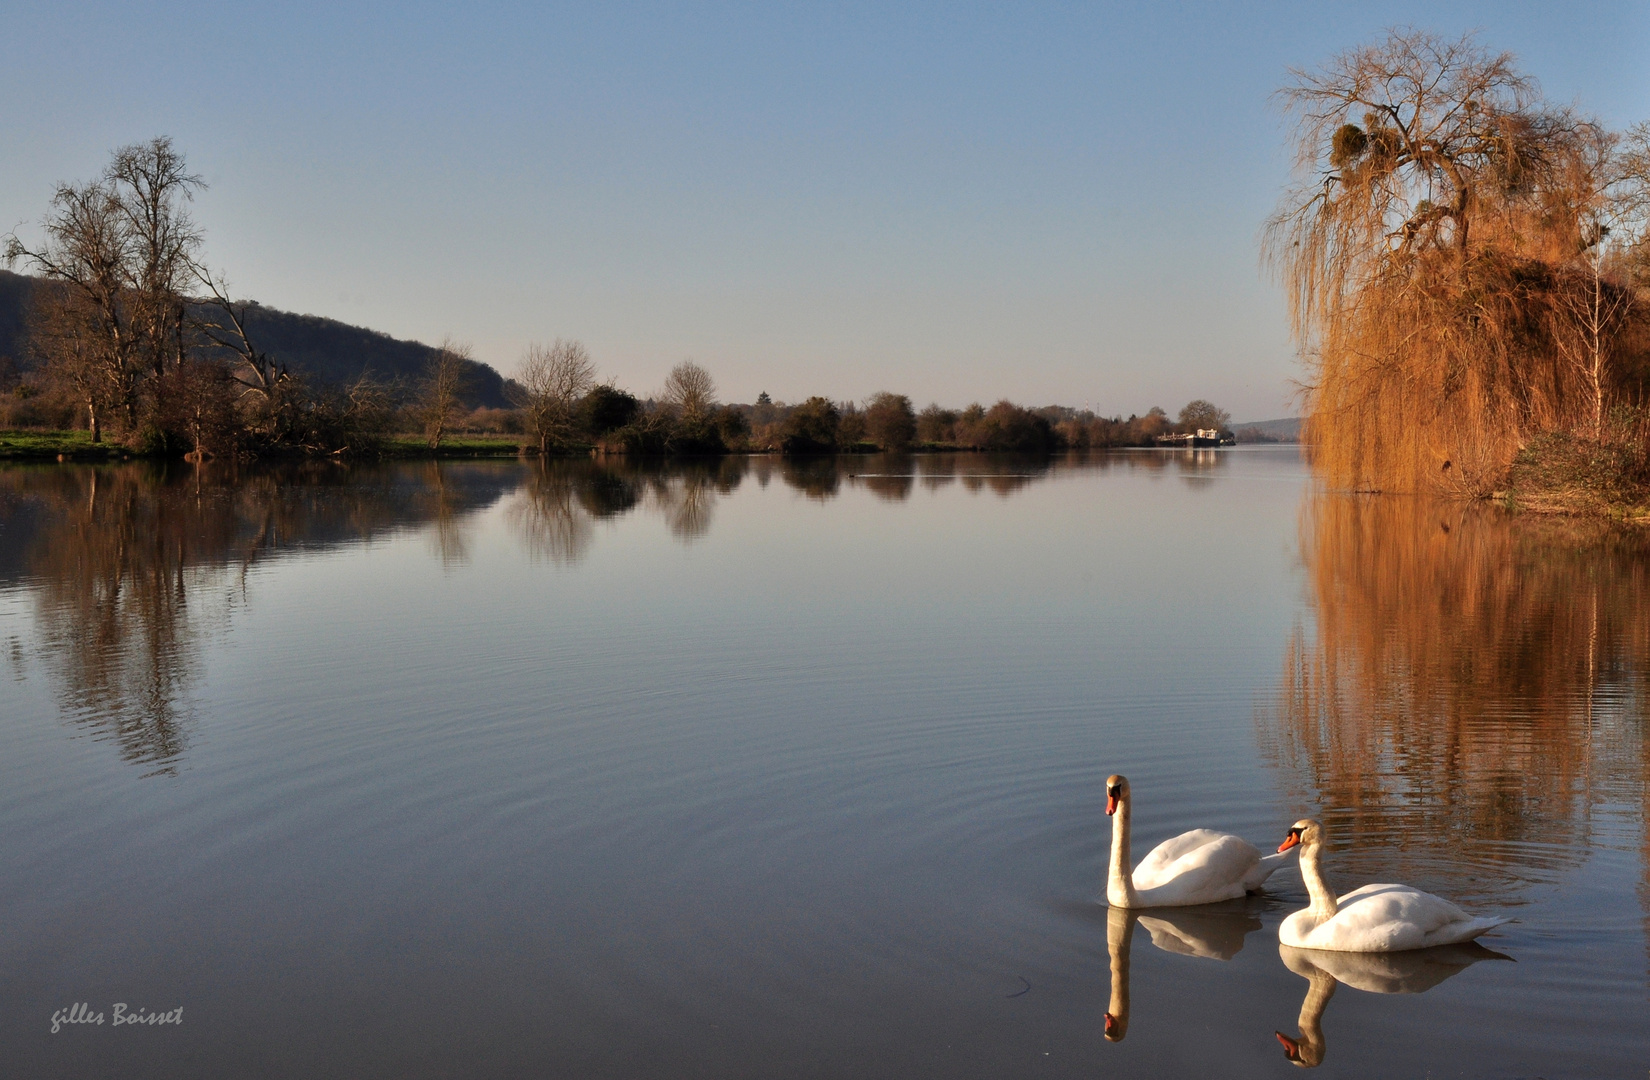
322,349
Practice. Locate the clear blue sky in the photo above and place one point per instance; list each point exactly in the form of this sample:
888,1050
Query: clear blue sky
1053,203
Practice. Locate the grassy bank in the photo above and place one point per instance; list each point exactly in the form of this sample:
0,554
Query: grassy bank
454,446
57,445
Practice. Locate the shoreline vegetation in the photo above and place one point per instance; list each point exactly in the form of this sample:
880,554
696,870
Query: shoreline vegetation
1467,266
130,337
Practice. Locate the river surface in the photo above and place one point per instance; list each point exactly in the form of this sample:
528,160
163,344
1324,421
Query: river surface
760,768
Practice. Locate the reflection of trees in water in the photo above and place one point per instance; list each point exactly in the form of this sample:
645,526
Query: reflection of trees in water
557,506
687,496
890,477
816,477
938,470
1474,683
549,514
118,602
132,569
447,537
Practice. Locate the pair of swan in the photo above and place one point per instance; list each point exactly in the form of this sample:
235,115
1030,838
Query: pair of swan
1203,867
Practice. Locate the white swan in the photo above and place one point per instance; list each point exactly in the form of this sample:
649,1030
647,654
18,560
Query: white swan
1197,867
1375,918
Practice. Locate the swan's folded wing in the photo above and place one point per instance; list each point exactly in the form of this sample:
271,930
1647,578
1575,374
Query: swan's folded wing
1395,918
1178,855
1212,869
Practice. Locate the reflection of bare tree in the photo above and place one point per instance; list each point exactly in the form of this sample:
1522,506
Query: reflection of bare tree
119,602
129,568
1473,682
447,537
686,502
549,515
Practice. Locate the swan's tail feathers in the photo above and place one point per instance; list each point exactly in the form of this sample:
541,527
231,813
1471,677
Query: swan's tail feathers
1484,926
1266,867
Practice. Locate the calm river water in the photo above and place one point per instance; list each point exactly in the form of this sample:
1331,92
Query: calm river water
760,769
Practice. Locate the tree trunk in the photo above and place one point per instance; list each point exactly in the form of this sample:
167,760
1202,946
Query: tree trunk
91,413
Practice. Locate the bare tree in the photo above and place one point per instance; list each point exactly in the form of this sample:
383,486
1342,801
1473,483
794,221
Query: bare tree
124,246
441,392
267,390
690,389
87,251
548,389
151,182
63,336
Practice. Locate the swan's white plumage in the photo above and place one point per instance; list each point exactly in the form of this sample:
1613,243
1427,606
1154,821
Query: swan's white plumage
1375,918
1197,867
1384,918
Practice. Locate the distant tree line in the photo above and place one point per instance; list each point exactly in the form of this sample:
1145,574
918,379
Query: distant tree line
562,408
131,335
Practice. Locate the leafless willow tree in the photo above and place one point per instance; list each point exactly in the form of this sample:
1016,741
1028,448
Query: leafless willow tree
690,389
548,389
441,392
1426,245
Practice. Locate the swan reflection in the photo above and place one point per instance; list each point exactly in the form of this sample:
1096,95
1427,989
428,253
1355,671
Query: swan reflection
1216,934
1212,935
1375,973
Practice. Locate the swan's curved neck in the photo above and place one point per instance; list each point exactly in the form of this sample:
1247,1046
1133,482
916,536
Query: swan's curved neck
1119,882
1323,899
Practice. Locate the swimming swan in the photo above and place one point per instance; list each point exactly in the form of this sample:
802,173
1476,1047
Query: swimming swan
1197,867
1375,918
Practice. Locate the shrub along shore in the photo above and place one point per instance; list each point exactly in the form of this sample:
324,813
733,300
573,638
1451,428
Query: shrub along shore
608,421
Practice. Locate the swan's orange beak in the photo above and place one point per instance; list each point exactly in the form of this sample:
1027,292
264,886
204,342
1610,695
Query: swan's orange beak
1111,804
1291,1048
1290,841
1111,1028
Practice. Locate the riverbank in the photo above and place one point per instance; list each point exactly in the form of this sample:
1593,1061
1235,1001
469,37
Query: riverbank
31,445
1576,476
76,446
